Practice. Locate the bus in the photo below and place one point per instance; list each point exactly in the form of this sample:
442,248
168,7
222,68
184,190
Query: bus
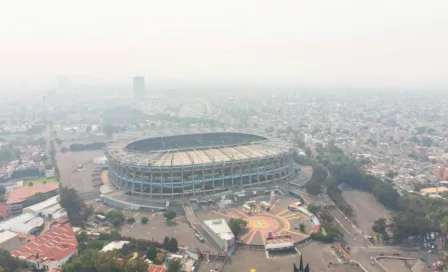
247,208
265,205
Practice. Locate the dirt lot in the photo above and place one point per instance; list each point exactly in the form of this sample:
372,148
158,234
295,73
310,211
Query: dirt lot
366,207
69,161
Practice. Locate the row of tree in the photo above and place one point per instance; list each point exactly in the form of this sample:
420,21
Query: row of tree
85,147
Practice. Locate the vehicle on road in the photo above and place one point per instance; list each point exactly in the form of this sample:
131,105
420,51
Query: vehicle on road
396,253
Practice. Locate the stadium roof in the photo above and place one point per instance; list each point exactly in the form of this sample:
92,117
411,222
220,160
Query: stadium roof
198,154
23,193
53,245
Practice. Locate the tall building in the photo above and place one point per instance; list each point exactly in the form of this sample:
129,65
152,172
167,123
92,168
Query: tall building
139,87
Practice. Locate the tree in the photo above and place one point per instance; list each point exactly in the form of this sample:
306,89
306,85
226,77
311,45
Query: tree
30,184
130,220
82,237
175,265
314,209
115,217
169,215
77,211
11,264
236,225
151,254
302,227
173,245
144,220
166,241
2,190
94,261
379,226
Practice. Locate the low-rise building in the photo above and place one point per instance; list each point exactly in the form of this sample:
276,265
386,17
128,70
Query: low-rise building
18,196
50,209
9,240
26,223
114,245
221,232
52,249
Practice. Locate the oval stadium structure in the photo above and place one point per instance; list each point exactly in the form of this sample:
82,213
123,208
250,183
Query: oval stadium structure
197,164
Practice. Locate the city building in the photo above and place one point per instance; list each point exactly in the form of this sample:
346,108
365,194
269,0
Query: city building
9,240
139,87
18,196
197,164
221,233
52,249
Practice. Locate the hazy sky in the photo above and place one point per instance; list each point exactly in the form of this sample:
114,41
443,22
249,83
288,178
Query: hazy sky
253,41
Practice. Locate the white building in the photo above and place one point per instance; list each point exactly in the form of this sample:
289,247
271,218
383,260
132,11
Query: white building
114,245
9,240
220,232
49,208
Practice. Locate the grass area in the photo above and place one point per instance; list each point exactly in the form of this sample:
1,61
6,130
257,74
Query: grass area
38,181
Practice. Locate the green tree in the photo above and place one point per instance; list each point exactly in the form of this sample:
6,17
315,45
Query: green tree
144,220
2,190
175,265
82,237
130,220
115,217
169,215
11,264
302,227
237,225
166,241
314,209
173,245
152,253
78,212
379,226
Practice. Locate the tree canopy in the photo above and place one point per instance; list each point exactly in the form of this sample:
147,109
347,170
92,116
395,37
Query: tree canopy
237,225
78,212
169,215
94,261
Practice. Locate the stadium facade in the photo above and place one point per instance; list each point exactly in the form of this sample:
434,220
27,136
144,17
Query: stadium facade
197,164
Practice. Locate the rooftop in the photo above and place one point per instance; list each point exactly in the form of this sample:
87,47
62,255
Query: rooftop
7,235
156,268
203,153
218,226
54,245
23,193
114,245
24,223
36,208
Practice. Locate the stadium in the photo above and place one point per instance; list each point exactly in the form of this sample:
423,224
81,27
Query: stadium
197,164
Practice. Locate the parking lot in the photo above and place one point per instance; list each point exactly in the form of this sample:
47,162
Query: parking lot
316,254
157,228
69,161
